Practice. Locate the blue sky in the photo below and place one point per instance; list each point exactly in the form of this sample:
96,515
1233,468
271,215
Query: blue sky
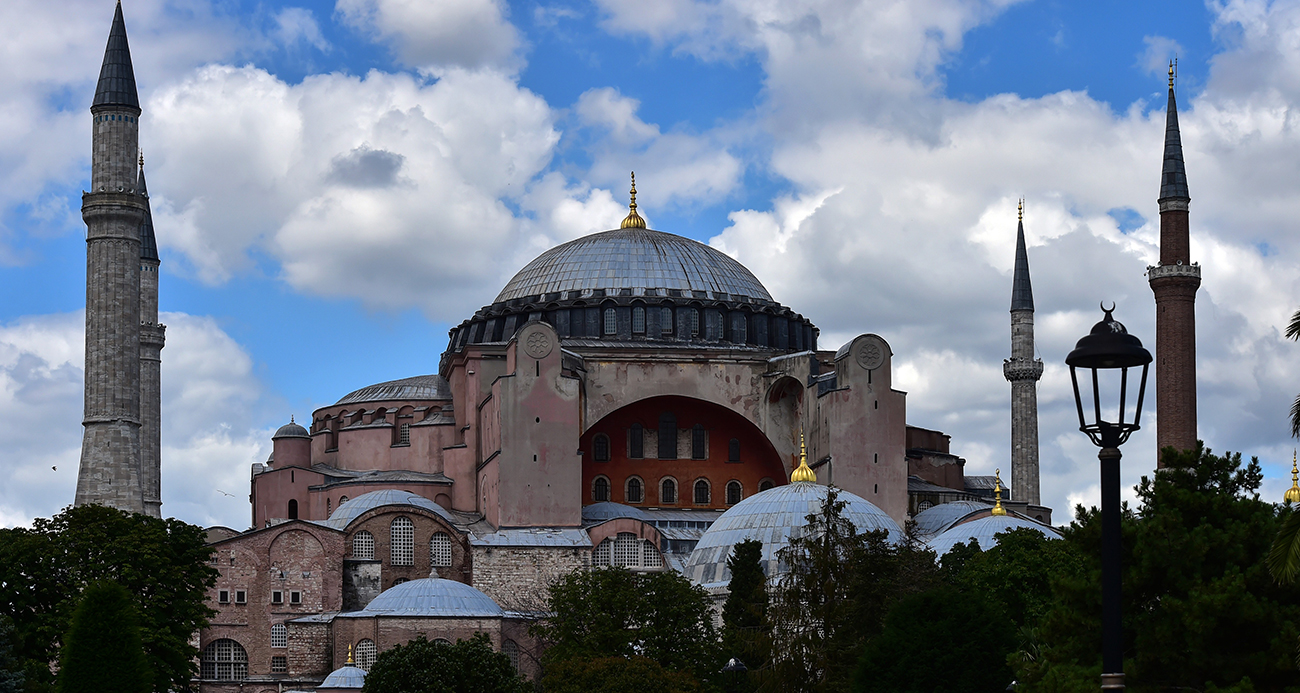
862,158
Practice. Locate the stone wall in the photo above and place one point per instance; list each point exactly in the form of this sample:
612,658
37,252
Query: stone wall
517,577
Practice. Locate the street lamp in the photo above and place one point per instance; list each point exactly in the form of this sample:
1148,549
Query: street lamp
733,675
1109,351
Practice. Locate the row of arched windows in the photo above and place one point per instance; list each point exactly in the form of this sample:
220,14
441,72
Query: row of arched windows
702,490
401,547
627,551
227,660
667,442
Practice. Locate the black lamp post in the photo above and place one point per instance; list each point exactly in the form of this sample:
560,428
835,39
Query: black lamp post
733,675
1109,351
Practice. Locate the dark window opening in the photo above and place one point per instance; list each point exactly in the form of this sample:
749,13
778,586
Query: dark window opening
701,492
668,492
765,485
734,492
733,450
293,509
277,597
279,664
223,596
635,492
666,320
241,597
697,443
600,490
638,320
600,447
667,436
295,597
636,446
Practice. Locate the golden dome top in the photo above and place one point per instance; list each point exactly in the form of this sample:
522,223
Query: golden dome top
803,473
998,510
1293,493
632,220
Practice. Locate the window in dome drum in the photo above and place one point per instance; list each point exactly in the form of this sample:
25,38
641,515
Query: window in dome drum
666,320
695,322
638,320
611,323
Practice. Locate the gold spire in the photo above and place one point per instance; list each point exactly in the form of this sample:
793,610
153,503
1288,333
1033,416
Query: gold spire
1020,210
1293,493
632,220
350,662
1171,73
803,472
997,494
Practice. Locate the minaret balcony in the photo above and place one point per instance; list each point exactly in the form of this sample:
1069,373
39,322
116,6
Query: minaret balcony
1022,369
1155,272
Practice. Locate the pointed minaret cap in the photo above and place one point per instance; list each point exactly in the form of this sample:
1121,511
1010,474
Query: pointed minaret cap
998,510
1022,293
1293,493
1173,177
148,243
116,76
632,220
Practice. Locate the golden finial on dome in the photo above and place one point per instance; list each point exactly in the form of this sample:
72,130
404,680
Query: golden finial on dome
1020,210
1293,493
803,472
998,510
632,220
350,662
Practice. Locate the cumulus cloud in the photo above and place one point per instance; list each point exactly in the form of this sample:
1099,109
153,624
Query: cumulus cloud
297,25
210,401
433,34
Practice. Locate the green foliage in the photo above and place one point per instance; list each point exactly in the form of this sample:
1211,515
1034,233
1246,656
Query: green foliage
161,563
11,667
420,666
1293,332
1200,607
1018,573
616,675
745,634
611,612
939,640
102,652
1284,554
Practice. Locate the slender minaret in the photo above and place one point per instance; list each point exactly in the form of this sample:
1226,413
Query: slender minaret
1022,370
152,337
1174,282
113,211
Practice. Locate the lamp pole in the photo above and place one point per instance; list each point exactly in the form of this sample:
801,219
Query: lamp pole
1109,350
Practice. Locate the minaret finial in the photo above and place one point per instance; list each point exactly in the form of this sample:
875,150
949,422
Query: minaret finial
803,473
1171,74
141,151
997,494
633,220
1293,493
1020,210
291,418
350,662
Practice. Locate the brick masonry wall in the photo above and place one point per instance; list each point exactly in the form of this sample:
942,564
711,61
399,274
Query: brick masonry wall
517,577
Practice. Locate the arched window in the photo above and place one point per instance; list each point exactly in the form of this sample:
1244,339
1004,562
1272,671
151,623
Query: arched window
363,545
667,436
702,492
365,654
611,322
342,500
638,320
923,506
668,491
666,320
440,550
404,434
650,557
600,489
329,506
627,551
401,551
400,581
733,450
636,445
734,492
600,447
279,635
635,490
698,451
601,554
293,508
510,649
765,485
695,321
224,660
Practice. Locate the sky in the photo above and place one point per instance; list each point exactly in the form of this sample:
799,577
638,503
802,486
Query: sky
336,184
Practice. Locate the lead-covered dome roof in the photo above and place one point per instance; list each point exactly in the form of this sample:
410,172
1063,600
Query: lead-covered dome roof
345,677
633,258
984,532
416,388
432,597
774,517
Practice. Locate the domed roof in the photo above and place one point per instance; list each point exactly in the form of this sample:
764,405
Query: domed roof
419,387
432,597
984,532
774,517
607,510
291,430
345,677
937,519
633,258
351,510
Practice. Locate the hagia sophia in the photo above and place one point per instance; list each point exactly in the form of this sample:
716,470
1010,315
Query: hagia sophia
630,398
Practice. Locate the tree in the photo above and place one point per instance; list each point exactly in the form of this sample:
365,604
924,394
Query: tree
1293,333
420,666
611,612
616,675
939,640
162,564
102,652
1200,608
745,634
1017,575
11,667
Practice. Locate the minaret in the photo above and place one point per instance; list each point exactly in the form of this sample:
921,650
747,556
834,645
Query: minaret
1174,282
1022,370
113,211
152,337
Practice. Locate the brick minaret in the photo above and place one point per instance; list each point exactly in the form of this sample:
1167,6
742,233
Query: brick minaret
113,210
1174,282
1022,370
152,337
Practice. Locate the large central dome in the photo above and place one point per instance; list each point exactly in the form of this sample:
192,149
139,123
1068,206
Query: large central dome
633,258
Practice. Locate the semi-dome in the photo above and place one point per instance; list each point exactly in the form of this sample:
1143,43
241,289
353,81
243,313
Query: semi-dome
983,531
633,258
351,510
433,597
608,510
774,517
416,388
348,676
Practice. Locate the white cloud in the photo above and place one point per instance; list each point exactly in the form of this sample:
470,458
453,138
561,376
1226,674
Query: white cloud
438,33
1154,59
295,25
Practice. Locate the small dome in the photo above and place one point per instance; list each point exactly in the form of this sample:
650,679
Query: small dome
416,388
432,597
601,512
774,517
345,677
633,258
351,510
936,520
291,430
984,532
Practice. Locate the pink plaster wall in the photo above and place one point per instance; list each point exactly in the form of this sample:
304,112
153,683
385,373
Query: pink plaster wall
273,489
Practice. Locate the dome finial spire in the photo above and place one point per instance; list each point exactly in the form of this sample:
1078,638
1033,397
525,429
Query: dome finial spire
632,220
1293,493
803,473
998,510
350,662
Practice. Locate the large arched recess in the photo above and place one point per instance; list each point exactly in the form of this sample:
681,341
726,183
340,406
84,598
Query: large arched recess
759,461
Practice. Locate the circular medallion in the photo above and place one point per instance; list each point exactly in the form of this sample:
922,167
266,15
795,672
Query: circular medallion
871,354
537,344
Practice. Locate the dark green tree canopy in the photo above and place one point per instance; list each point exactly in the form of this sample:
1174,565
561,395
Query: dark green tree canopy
420,666
102,652
745,634
616,675
162,564
11,667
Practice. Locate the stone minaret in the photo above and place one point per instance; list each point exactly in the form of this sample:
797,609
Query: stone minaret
113,211
152,337
1022,370
1174,282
